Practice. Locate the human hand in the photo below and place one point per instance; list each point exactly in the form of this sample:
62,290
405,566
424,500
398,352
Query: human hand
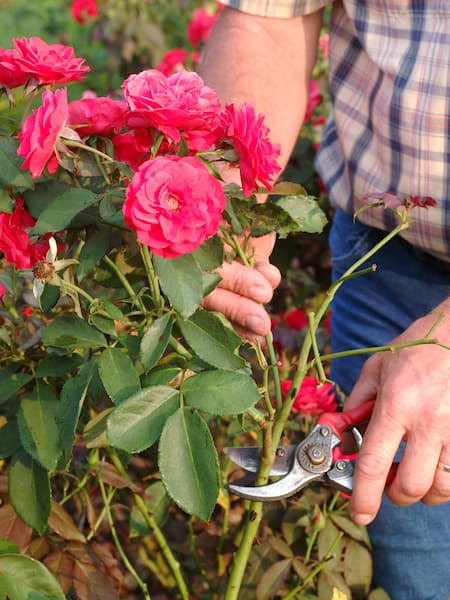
412,394
243,290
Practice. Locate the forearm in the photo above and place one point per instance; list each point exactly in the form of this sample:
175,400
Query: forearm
266,62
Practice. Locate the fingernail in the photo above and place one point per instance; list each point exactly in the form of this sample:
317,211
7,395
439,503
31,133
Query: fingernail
254,323
361,518
258,293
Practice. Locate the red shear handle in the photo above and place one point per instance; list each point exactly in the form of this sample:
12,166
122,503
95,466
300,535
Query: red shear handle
340,421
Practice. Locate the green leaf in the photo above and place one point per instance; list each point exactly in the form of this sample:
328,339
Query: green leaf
24,578
10,384
357,532
6,547
95,248
305,211
189,464
56,366
37,426
29,491
357,568
103,324
161,375
49,297
72,332
157,501
11,173
9,439
220,392
212,340
181,281
210,255
73,395
118,374
60,211
137,422
154,341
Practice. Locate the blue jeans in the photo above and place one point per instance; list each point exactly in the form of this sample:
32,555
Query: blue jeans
411,545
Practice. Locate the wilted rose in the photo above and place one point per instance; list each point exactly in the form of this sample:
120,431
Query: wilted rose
97,116
313,398
173,204
250,138
41,131
175,104
49,63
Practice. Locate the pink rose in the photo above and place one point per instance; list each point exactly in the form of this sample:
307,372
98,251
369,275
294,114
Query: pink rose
82,10
313,397
173,60
14,240
97,116
173,204
132,148
49,63
41,131
250,139
11,74
314,99
175,104
200,26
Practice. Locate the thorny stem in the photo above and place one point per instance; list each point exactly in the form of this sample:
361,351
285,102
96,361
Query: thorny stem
126,284
151,274
106,502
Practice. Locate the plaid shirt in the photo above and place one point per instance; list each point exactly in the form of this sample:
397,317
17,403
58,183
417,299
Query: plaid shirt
390,126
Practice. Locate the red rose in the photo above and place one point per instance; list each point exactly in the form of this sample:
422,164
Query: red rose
313,397
97,116
250,139
132,148
200,26
41,131
11,74
296,319
314,99
49,63
172,61
175,104
83,9
173,204
14,240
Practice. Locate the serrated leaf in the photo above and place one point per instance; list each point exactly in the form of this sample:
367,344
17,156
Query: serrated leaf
10,384
61,522
210,255
189,464
73,395
272,579
29,490
38,430
23,578
49,297
357,568
95,248
13,529
11,173
281,547
220,392
154,341
181,281
118,374
72,332
137,422
305,211
60,211
357,532
213,341
9,439
56,366
94,434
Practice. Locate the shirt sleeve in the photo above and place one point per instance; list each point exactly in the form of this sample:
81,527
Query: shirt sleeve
281,9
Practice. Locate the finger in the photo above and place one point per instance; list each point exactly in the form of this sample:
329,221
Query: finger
245,281
366,387
270,272
440,490
381,441
416,471
250,317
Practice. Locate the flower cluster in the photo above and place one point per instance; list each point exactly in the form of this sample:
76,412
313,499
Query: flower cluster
171,131
313,398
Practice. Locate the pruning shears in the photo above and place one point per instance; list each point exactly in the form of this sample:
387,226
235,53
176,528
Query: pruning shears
310,460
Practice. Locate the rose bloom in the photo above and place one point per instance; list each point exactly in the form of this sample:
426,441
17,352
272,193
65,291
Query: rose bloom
314,99
180,102
41,131
11,74
97,116
173,204
200,26
296,319
250,139
14,240
313,397
82,10
49,63
132,148
172,61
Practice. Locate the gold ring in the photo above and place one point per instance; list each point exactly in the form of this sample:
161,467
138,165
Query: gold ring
443,467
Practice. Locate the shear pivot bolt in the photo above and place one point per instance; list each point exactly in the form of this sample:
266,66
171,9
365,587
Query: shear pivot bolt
341,465
316,455
280,452
324,431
